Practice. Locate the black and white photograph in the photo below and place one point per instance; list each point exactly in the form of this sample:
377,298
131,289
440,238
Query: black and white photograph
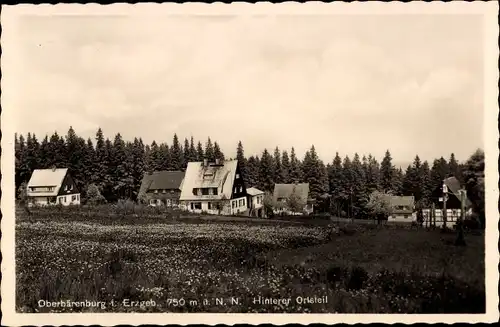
336,159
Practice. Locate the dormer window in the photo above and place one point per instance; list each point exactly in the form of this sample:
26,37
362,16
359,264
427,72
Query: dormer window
164,191
208,175
156,191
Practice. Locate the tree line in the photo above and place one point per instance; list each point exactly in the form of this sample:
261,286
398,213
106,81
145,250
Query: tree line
117,167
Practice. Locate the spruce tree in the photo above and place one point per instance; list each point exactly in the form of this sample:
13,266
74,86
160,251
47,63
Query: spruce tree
100,170
266,172
277,167
387,172
165,161
285,163
200,154
314,172
187,153
218,154
252,174
361,194
209,151
426,187
295,168
242,162
176,156
348,185
439,172
336,184
193,156
76,151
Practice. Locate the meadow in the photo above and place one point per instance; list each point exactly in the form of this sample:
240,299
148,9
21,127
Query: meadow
192,264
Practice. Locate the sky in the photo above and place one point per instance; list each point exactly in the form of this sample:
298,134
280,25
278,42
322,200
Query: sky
412,84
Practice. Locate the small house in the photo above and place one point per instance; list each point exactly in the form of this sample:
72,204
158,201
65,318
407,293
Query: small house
52,186
292,199
402,208
453,203
214,188
162,188
256,202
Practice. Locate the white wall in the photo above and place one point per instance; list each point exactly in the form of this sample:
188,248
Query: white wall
258,201
400,218
452,216
240,205
65,200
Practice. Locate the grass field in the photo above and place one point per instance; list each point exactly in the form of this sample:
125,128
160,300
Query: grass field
191,265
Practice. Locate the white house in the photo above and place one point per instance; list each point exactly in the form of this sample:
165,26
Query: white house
403,209
214,188
52,186
256,201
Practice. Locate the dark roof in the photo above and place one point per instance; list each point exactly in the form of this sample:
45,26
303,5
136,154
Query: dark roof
395,200
162,180
454,187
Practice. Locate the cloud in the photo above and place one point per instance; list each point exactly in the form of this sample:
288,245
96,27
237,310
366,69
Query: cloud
347,84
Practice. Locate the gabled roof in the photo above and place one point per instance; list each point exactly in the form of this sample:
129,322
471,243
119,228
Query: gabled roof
454,187
403,201
254,191
47,178
285,190
199,175
395,200
162,180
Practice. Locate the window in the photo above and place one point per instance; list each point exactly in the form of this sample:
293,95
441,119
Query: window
197,205
211,191
78,197
164,191
152,202
73,198
241,189
233,204
192,205
66,187
235,190
209,205
204,191
406,216
215,191
237,176
208,175
169,202
156,191
195,192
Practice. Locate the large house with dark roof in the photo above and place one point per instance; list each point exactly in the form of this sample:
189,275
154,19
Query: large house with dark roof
282,194
162,188
214,188
52,186
453,203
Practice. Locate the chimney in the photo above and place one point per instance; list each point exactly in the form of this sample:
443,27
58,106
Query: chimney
217,161
205,162
54,168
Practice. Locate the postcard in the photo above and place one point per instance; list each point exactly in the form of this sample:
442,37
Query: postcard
249,163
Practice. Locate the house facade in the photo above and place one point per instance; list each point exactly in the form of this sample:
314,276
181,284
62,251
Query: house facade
284,192
214,188
162,188
255,202
453,204
403,209
52,186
